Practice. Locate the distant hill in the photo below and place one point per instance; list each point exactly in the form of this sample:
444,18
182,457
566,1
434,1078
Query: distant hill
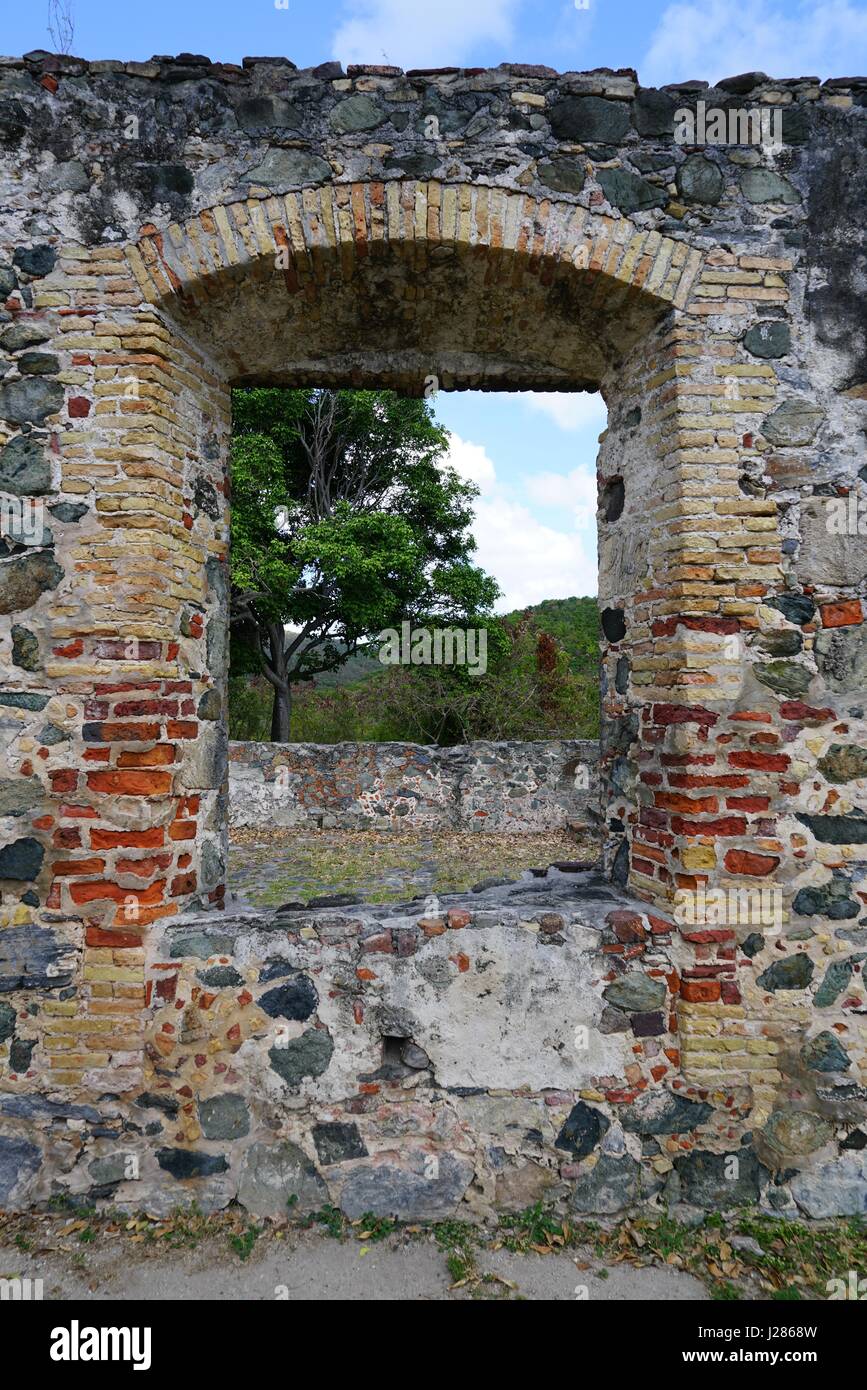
575,624
356,668
359,667
573,621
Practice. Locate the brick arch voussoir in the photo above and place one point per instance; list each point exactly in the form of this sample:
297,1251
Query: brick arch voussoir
300,232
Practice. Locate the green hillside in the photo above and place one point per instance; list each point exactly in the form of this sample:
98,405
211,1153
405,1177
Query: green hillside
575,624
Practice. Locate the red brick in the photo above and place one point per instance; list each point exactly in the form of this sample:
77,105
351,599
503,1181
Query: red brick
379,944
844,614
684,714
182,830
725,825
760,762
121,733
71,649
102,888
179,728
748,803
143,868
700,991
127,839
68,837
691,806
130,783
658,925
119,940
627,926
127,649
744,861
63,780
697,780
119,687
807,714
160,756
68,868
140,709
666,627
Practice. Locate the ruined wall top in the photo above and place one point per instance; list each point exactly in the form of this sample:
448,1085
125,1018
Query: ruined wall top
614,82
111,126
104,152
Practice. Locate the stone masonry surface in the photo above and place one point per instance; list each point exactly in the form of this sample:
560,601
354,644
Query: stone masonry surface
170,228
489,787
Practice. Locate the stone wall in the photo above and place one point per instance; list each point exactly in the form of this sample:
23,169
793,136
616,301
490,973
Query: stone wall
170,228
491,787
479,1055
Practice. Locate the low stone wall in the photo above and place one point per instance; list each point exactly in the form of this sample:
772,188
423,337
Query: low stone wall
476,1054
476,786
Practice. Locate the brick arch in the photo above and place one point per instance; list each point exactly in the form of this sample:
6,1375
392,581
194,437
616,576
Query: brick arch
442,239
310,250
355,218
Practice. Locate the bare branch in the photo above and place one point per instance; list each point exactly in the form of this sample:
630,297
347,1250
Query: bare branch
61,25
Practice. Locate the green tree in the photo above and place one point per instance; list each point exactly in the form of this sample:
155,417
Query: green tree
345,521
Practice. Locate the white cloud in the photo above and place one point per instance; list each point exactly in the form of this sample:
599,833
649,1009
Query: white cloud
472,462
570,410
530,561
412,34
575,490
717,39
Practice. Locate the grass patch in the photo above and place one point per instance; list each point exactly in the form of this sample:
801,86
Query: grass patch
386,866
331,1219
243,1244
793,1260
457,1240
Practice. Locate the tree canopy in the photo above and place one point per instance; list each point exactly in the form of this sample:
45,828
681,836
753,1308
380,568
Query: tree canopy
346,520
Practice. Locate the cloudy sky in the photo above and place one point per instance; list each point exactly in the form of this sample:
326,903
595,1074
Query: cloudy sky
532,457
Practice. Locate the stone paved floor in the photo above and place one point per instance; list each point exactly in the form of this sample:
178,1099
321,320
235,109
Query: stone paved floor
268,869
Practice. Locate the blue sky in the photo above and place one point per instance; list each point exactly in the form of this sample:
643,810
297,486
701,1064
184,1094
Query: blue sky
533,458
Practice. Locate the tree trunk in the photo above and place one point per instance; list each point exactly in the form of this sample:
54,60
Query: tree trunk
281,713
277,673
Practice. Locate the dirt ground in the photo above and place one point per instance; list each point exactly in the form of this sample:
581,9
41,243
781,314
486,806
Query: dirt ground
536,1255
309,1265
